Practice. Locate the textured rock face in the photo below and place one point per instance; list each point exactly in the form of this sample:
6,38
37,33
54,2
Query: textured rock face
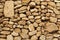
29,19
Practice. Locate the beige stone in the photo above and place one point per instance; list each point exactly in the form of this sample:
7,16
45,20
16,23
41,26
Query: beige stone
37,2
56,0
32,32
34,37
43,3
52,4
9,37
22,8
17,30
17,38
53,19
14,33
1,6
9,9
23,35
2,36
25,1
19,26
24,18
50,27
33,10
5,32
5,28
42,7
1,10
22,15
42,37
35,14
56,35
35,24
30,17
58,16
37,17
38,33
31,27
32,4
2,39
56,11
55,38
25,31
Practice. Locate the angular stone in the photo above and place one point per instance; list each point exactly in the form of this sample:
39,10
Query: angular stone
9,9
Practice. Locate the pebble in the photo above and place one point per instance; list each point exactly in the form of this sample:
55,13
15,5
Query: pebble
34,37
56,35
32,4
31,27
5,32
23,35
38,33
50,27
56,11
32,32
9,9
37,17
23,8
17,30
34,10
1,10
1,6
22,15
14,33
2,36
43,3
30,17
55,38
9,37
42,37
17,38
2,39
42,7
25,1
58,16
5,28
35,24
52,4
52,19
24,31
